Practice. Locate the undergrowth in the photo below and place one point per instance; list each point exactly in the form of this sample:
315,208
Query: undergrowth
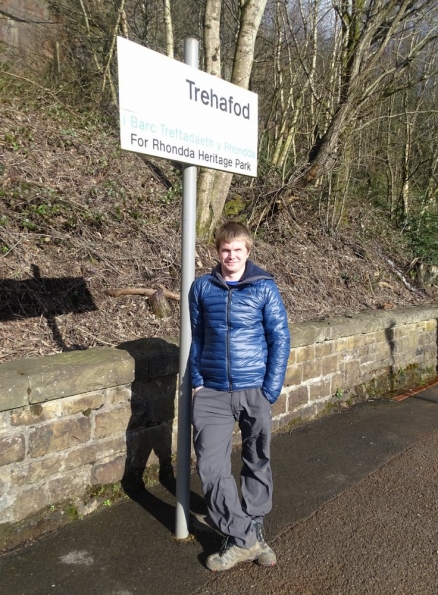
79,216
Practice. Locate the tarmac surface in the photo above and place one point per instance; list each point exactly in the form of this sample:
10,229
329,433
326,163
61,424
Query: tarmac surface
355,513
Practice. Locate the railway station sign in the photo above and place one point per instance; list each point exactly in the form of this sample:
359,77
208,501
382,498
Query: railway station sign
174,111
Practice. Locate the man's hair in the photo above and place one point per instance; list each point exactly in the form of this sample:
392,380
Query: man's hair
232,231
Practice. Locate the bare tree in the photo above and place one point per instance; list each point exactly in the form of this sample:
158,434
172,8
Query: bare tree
214,185
168,26
368,31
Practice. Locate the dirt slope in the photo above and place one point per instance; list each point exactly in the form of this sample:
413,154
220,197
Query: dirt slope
79,217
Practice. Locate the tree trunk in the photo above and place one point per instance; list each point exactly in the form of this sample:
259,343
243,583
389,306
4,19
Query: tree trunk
213,186
169,29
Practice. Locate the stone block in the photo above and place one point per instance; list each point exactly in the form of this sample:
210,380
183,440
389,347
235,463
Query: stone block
82,404
292,357
312,369
430,352
5,420
381,336
14,386
319,390
304,354
153,402
34,414
431,325
112,422
297,397
291,419
358,341
427,338
375,369
5,479
307,333
401,332
12,449
294,375
336,382
340,345
95,451
348,355
305,413
351,373
28,502
153,357
37,471
330,364
323,406
367,353
279,407
324,349
58,435
419,354
409,342
34,380
382,350
109,472
68,486
6,511
120,394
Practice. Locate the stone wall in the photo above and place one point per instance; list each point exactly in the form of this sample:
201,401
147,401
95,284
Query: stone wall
27,30
74,423
341,359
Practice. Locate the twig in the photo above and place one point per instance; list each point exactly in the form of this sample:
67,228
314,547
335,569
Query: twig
141,291
96,338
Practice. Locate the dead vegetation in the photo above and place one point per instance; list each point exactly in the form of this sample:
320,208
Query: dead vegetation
79,218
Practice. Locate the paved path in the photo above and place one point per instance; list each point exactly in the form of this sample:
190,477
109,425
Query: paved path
355,513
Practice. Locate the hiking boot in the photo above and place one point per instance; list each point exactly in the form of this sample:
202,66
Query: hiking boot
230,555
267,555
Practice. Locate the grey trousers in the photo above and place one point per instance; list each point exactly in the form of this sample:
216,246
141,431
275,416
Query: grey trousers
214,417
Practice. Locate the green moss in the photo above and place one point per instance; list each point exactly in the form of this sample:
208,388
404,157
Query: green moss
234,206
72,512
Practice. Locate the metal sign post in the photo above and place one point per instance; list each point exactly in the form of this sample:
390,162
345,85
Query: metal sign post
188,244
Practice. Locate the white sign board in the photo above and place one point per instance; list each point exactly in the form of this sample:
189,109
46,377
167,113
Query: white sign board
171,110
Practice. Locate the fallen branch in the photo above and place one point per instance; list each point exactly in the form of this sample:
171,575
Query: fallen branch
142,291
401,276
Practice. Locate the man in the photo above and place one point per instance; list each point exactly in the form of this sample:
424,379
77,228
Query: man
238,358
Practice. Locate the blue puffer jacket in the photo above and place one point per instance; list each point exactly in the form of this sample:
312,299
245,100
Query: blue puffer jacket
240,334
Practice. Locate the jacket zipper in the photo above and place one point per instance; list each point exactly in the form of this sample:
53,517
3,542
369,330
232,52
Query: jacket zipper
230,386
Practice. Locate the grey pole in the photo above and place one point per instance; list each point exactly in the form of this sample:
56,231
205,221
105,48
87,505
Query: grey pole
188,245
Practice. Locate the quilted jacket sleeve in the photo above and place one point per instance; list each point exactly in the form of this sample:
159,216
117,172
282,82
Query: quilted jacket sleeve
197,345
278,340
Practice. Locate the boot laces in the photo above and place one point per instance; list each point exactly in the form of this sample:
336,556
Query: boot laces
259,532
226,545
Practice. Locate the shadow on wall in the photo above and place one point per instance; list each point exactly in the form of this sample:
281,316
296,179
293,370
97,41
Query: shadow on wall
389,333
45,297
149,430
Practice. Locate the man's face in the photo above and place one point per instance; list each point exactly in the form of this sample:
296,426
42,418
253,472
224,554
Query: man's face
233,257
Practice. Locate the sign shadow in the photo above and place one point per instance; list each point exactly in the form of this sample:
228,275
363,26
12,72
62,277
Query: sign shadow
46,297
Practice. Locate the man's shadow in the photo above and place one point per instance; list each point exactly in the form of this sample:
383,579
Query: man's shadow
46,297
149,434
